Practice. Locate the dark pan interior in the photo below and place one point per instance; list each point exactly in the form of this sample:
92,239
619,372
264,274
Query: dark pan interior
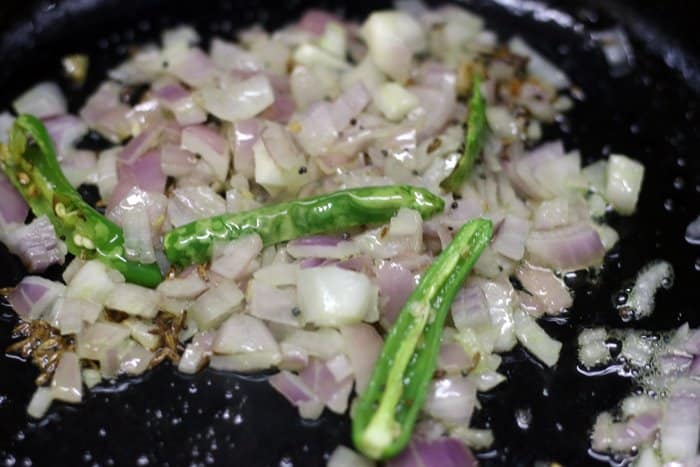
166,418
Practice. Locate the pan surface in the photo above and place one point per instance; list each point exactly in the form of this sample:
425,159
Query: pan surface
166,418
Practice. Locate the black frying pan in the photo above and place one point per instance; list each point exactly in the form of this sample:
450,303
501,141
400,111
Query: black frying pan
167,418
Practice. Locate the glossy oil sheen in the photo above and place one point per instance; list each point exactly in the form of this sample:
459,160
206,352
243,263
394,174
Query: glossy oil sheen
166,418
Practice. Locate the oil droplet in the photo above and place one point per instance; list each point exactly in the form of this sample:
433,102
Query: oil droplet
678,183
192,389
238,419
697,264
523,417
668,205
142,460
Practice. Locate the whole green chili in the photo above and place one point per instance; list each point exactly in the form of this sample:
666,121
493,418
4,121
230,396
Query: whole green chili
473,140
193,243
385,414
29,161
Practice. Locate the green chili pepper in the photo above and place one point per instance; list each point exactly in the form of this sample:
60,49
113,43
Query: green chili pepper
193,243
29,161
473,140
386,412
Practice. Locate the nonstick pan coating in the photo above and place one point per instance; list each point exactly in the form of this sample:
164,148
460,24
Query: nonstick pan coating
166,418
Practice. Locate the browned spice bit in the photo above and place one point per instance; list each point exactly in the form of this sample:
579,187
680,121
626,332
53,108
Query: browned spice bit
384,232
168,327
100,203
434,145
5,291
41,343
115,315
439,374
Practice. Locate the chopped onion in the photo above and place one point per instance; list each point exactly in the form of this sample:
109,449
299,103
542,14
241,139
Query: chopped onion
566,248
624,182
331,296
243,136
680,427
333,393
134,300
440,452
470,309
232,260
214,306
40,402
511,236
197,352
107,172
33,296
105,113
451,399
6,122
43,100
362,344
324,343
534,339
37,244
188,286
298,393
539,66
67,382
208,143
549,292
13,209
317,131
188,204
499,297
65,131
228,56
315,21
393,37
180,102
321,247
143,332
242,334
346,457
395,284
238,101
273,304
193,67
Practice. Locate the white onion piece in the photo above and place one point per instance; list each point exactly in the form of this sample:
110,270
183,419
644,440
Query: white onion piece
43,100
175,161
453,359
330,296
511,236
534,339
92,282
143,333
180,102
451,399
567,248
134,300
272,304
208,143
281,147
96,339
40,402
550,293
193,67
37,244
470,309
33,296
313,56
278,274
362,344
228,56
196,353
298,393
435,110
394,101
138,237
138,146
539,66
105,113
324,343
247,345
317,131
349,105
624,182
186,287
67,315
393,37
346,457
239,101
637,349
499,297
231,260
64,131
107,171
79,167
216,305
188,204
134,359
321,247
306,87
67,383
243,136
145,66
